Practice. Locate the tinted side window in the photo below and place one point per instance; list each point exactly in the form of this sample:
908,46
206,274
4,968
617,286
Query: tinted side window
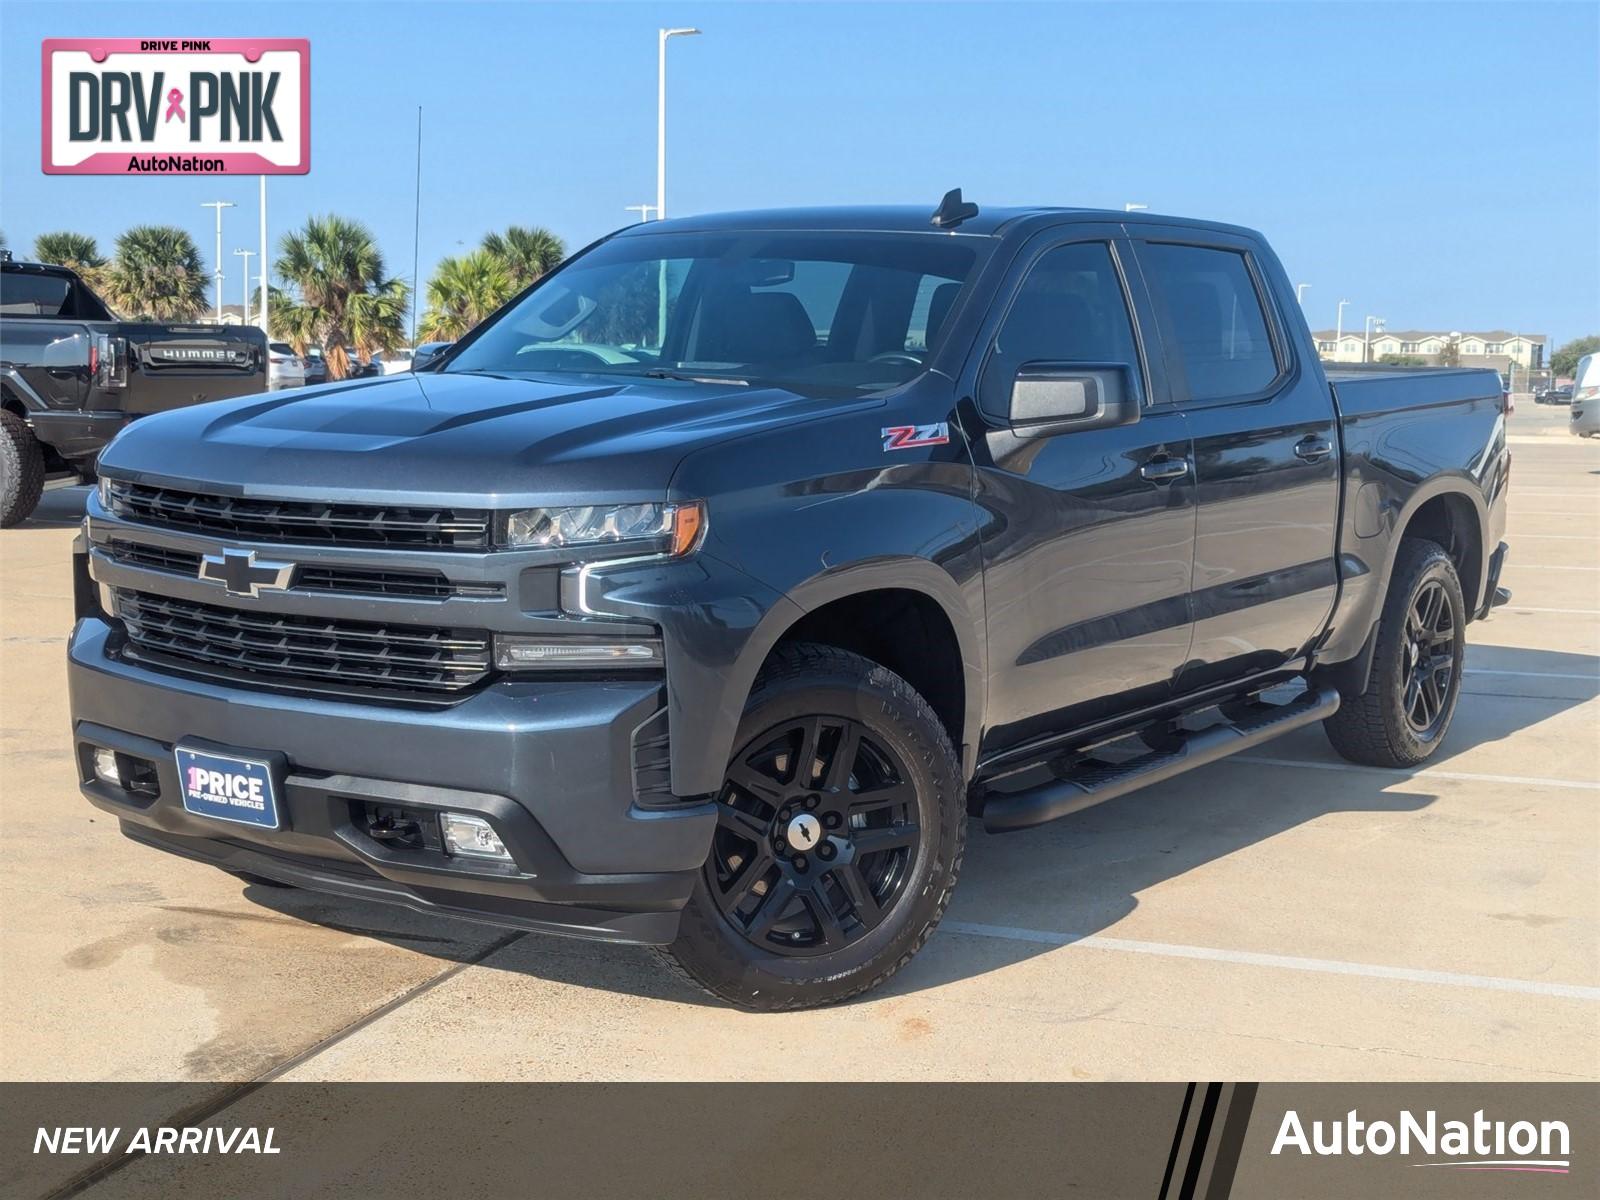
27,295
1217,317
1070,308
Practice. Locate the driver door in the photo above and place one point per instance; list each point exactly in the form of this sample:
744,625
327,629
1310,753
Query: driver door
1088,535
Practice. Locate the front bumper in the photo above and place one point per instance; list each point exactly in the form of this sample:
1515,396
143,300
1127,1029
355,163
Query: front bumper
549,765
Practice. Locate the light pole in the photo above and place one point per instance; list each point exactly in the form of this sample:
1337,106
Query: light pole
219,205
1338,327
661,169
1134,207
661,114
246,255
1300,293
265,263
644,210
1366,350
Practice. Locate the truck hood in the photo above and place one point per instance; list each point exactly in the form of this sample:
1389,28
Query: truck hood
454,438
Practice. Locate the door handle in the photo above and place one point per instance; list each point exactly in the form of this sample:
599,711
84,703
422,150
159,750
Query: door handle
1161,469
1313,448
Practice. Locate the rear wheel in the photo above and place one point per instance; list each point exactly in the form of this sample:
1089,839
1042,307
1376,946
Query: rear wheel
1403,716
21,470
841,825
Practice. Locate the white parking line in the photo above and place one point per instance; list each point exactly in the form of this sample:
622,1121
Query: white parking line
1592,677
1582,785
1571,612
1528,566
1323,966
1557,537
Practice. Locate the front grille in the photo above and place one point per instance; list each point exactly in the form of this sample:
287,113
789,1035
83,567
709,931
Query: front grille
305,521
304,650
354,581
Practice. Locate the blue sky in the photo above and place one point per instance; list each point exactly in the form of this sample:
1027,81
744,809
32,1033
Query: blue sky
1436,164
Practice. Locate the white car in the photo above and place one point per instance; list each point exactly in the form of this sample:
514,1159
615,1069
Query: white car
394,362
285,368
1584,417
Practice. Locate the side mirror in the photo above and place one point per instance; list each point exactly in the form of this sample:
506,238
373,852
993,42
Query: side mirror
1049,398
427,353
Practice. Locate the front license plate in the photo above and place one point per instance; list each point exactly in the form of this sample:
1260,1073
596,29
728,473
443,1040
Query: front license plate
227,787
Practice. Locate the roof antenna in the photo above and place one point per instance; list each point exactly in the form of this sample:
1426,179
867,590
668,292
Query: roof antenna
953,210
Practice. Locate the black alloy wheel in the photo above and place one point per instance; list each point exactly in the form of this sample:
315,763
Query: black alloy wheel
1430,658
1402,716
838,836
816,836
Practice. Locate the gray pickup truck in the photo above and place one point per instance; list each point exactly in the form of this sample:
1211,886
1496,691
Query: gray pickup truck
72,375
699,597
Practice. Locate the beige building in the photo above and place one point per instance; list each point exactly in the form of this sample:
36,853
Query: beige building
1497,348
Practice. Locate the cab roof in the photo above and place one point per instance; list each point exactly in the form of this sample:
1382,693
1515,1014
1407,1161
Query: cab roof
990,221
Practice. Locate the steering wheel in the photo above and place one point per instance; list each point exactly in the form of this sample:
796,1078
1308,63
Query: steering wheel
900,357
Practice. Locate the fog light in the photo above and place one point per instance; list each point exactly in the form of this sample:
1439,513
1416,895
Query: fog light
105,766
514,652
471,837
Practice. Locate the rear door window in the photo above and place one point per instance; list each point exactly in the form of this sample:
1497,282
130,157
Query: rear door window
1216,317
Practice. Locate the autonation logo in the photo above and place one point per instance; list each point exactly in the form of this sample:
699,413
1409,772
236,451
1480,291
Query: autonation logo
1476,1145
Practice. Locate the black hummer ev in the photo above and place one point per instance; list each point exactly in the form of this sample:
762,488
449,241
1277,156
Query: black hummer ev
72,375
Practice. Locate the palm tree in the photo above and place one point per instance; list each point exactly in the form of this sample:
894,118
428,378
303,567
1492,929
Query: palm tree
334,287
290,321
378,318
76,251
462,292
527,253
156,275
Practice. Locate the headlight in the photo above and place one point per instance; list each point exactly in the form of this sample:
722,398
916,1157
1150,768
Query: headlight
103,490
665,528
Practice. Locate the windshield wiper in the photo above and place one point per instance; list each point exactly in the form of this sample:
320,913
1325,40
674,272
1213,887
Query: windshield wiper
686,377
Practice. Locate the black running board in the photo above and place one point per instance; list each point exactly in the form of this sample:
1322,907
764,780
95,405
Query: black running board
1093,782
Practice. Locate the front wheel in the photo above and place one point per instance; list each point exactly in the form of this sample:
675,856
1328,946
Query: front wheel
841,826
1403,716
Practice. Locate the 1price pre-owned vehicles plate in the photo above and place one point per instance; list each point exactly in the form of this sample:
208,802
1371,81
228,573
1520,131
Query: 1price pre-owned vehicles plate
698,597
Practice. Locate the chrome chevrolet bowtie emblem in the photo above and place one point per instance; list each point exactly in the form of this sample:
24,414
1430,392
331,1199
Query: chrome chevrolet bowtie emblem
804,832
243,575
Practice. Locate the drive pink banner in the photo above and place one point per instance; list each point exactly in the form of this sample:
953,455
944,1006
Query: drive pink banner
149,106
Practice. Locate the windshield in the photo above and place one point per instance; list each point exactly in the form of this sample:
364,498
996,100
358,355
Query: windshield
824,313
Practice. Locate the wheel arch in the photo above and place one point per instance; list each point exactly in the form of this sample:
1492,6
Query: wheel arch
909,615
1450,513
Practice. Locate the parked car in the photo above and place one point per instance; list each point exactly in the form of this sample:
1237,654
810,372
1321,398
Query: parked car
72,375
316,366
393,362
715,640
1584,419
1560,394
288,368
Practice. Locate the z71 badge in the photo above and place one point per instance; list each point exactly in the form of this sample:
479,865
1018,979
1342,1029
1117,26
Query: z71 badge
908,437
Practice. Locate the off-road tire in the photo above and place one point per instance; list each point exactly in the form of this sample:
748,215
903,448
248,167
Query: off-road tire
21,470
1373,728
805,679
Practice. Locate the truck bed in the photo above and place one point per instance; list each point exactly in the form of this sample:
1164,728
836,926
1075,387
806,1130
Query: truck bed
1369,390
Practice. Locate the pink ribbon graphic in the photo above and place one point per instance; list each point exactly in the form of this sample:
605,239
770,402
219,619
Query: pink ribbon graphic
175,105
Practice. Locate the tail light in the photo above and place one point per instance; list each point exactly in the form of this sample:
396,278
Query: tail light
1587,393
108,361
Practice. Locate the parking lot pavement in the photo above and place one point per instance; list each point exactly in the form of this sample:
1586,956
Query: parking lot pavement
1281,916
